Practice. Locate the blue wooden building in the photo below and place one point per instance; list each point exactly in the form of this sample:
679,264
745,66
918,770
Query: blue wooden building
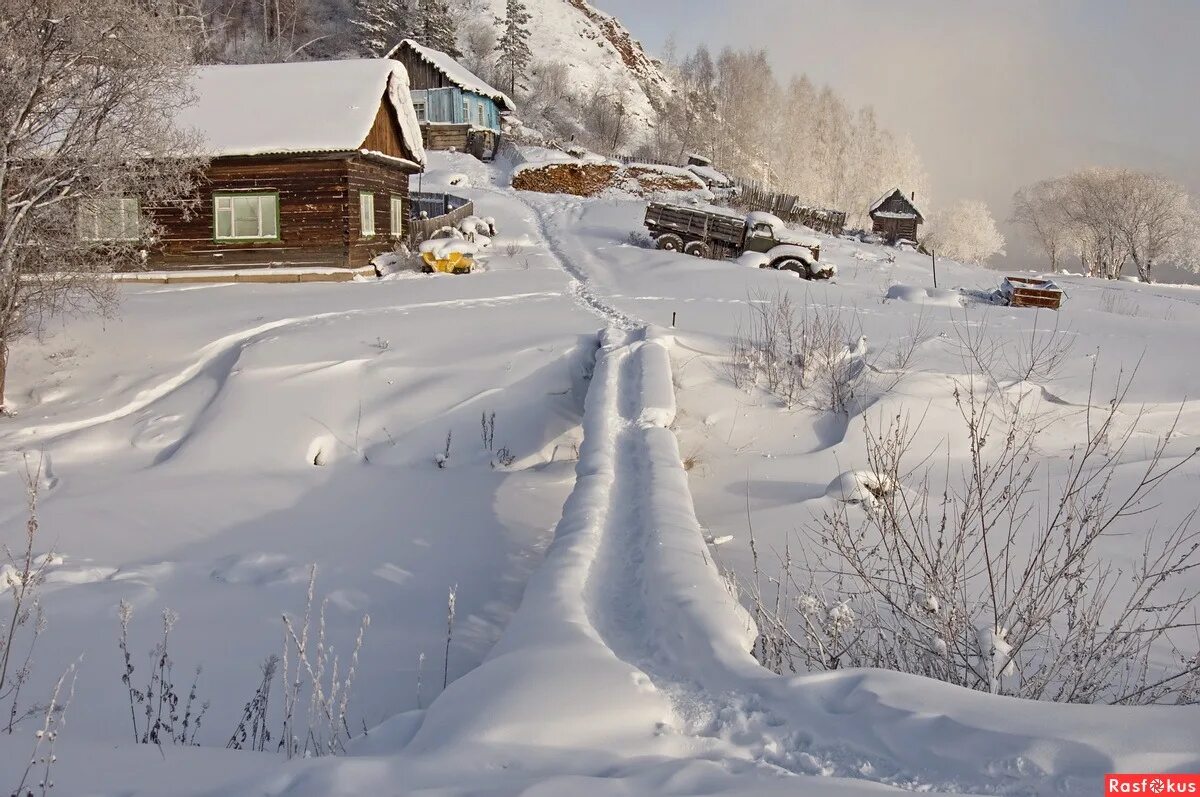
456,109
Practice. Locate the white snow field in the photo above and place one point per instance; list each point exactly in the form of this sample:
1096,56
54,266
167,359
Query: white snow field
200,451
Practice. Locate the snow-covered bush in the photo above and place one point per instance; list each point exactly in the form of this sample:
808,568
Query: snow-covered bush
993,577
801,354
964,231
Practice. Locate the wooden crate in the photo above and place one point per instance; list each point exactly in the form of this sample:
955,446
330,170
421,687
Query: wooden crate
1031,292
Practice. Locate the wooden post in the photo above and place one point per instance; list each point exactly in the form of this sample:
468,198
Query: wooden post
933,254
672,319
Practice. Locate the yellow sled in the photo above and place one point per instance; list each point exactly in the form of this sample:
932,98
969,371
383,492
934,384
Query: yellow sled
452,263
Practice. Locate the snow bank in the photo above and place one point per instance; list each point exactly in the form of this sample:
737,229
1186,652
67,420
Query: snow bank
657,396
859,487
942,297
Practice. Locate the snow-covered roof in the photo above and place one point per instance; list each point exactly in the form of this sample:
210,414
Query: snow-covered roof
297,107
458,74
879,202
887,214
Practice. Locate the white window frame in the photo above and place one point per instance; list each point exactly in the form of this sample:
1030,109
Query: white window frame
419,108
466,109
397,207
223,206
480,115
366,214
128,218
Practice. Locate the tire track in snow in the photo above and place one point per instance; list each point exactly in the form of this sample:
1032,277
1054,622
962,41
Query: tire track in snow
219,358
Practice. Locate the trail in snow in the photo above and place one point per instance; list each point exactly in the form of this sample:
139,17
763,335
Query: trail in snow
579,289
218,359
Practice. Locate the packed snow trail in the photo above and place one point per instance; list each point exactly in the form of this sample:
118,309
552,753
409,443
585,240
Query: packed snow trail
579,288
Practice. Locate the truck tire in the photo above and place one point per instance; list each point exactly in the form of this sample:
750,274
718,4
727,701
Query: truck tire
792,264
669,242
697,249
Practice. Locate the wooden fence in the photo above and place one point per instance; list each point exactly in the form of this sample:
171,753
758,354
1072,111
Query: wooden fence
752,196
432,212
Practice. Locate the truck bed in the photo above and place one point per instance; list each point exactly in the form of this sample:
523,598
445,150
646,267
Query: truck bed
695,223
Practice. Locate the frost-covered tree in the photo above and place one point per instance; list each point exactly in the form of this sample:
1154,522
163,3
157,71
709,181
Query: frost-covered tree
1039,209
513,47
1158,221
437,27
964,231
87,100
380,24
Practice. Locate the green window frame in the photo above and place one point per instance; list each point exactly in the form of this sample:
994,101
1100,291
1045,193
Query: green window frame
366,214
110,219
397,207
246,215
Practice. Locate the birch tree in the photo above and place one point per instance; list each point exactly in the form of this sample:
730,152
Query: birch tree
87,145
1158,222
1038,208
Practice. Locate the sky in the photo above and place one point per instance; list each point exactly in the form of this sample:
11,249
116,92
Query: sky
995,95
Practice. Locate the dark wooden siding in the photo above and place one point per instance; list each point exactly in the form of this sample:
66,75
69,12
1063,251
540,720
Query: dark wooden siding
318,213
385,135
312,216
421,73
384,180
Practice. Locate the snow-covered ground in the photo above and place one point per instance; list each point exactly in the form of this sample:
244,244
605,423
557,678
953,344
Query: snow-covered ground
178,445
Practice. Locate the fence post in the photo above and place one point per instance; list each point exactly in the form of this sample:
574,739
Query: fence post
933,254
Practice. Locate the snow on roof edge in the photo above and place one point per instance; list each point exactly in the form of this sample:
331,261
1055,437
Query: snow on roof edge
315,107
875,205
456,72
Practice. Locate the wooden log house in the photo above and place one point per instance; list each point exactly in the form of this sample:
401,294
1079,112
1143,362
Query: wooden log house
456,109
895,217
309,167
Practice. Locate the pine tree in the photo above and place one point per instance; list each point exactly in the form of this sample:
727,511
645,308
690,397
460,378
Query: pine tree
437,27
379,25
513,46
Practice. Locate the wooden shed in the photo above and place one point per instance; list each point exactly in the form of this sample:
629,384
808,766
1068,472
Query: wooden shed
896,216
456,109
309,166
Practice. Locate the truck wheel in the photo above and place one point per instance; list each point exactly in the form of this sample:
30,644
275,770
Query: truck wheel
696,249
791,264
669,242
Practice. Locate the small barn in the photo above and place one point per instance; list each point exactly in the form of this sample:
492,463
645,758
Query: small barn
309,166
895,216
456,109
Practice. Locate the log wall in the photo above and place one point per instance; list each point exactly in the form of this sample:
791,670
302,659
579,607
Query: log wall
318,213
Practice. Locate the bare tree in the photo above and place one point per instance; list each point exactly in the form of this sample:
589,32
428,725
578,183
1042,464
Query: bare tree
1039,209
1158,222
87,146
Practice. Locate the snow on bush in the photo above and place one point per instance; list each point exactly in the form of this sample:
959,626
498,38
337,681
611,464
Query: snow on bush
965,231
860,487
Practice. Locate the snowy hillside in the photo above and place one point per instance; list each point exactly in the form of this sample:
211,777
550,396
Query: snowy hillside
600,59
539,439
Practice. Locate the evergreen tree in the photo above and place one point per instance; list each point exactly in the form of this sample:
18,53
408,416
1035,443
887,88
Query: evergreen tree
515,55
379,25
437,27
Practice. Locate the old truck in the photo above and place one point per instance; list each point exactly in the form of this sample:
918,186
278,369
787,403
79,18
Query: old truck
712,232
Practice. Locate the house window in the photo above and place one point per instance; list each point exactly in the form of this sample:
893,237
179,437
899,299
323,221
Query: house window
110,219
397,216
481,111
466,111
366,213
419,107
246,216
